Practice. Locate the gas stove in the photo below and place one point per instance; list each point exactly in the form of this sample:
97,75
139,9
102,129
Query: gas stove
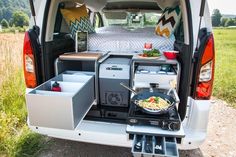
169,121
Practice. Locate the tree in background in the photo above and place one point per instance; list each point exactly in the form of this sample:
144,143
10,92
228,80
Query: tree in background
215,18
20,19
223,21
11,22
8,7
4,23
230,22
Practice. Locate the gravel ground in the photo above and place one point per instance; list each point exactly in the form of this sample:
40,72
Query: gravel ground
221,140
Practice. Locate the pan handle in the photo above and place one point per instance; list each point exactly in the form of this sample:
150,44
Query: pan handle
175,94
130,89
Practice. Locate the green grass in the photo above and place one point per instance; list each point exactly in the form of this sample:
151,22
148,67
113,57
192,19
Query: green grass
225,70
14,29
16,140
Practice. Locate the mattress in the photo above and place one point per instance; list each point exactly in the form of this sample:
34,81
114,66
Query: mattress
119,39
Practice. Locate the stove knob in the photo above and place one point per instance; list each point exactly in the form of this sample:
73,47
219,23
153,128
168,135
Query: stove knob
173,126
133,121
164,125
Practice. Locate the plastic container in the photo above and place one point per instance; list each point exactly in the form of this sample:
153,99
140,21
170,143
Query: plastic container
171,54
148,46
56,87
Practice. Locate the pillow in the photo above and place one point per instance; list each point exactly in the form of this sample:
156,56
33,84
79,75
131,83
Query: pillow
168,21
77,19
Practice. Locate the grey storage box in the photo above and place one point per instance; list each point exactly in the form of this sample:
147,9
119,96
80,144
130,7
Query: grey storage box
65,109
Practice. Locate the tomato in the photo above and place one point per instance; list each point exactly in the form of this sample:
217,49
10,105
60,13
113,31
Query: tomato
152,99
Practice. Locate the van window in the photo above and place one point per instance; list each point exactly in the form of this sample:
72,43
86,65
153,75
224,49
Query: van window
130,19
151,19
61,28
59,18
97,20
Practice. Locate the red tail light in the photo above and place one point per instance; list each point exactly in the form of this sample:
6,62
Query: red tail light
206,74
29,63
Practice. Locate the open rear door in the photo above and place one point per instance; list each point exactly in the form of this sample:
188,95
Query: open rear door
34,38
203,72
204,60
32,55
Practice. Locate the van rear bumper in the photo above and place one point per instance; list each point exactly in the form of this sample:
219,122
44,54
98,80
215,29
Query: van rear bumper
195,123
104,133
111,134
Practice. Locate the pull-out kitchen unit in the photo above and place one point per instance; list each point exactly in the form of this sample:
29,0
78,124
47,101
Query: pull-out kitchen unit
85,99
65,109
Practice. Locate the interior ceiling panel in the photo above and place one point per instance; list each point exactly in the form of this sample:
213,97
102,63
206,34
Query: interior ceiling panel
97,5
132,5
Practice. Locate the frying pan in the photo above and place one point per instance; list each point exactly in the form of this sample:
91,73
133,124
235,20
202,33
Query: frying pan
145,95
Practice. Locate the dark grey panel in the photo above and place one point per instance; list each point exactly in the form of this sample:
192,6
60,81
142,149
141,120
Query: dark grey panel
112,93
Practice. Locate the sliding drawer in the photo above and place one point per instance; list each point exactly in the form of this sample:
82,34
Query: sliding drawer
65,109
154,146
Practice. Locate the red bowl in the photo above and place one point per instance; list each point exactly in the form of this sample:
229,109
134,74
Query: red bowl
170,54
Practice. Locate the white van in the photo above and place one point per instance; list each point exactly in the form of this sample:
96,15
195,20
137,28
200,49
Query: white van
77,62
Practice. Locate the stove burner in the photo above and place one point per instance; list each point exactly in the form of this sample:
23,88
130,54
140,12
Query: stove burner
169,121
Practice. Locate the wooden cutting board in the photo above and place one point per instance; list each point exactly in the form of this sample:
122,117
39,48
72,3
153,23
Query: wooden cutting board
81,56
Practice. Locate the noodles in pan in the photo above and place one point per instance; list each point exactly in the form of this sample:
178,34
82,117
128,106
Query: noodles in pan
154,103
